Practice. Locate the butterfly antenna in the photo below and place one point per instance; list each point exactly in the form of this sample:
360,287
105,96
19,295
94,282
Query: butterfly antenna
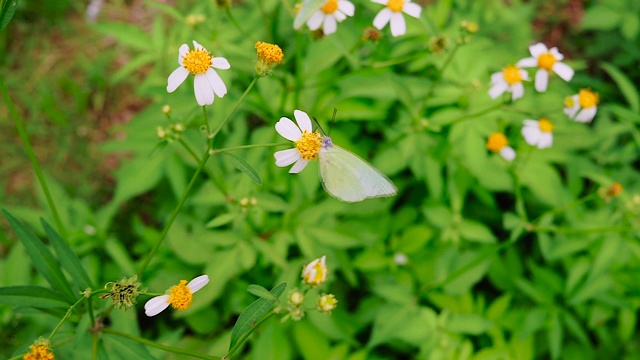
319,126
333,118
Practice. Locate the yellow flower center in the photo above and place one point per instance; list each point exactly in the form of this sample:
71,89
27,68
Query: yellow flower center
197,61
327,303
39,352
569,102
588,98
180,296
546,61
330,6
615,189
545,125
309,145
496,142
395,5
269,53
511,75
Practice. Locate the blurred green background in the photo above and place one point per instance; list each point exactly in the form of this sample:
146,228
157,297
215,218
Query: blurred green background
450,268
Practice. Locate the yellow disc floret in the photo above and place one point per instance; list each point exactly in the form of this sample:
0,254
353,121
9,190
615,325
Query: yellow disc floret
269,53
546,61
39,352
180,296
588,98
330,6
395,5
511,75
309,145
197,61
497,141
545,125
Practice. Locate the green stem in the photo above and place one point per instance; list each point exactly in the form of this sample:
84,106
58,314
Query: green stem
581,231
520,207
444,67
189,150
216,151
566,207
380,64
65,317
474,115
253,82
173,215
246,335
160,346
34,161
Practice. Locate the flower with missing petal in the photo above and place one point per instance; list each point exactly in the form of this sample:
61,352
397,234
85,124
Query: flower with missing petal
498,143
315,273
582,106
509,79
179,297
547,61
200,63
307,143
538,133
392,14
330,14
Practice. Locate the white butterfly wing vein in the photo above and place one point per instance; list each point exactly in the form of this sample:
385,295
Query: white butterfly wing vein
348,177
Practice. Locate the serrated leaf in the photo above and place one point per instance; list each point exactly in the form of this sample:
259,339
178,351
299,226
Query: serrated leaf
41,257
253,313
261,292
32,296
626,86
7,12
67,257
242,165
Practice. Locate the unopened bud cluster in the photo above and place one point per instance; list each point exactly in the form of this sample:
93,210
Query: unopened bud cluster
171,132
314,274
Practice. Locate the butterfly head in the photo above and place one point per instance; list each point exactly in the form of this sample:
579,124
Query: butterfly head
326,142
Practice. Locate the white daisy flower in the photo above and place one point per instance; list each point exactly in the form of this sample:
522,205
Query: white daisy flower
498,143
538,133
330,14
307,143
547,60
393,13
315,273
509,79
582,106
179,297
200,63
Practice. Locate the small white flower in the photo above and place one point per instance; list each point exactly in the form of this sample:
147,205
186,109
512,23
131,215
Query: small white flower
538,133
509,79
498,143
315,273
307,142
179,297
582,106
546,60
330,14
393,13
201,64
400,259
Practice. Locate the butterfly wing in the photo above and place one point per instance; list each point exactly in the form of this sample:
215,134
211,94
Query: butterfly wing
350,178
306,10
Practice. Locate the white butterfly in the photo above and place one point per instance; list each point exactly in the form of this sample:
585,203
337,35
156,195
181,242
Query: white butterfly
344,175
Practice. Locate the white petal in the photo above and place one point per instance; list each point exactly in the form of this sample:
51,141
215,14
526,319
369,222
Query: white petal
184,49
498,89
508,153
198,283
203,90
218,86
531,135
330,25
556,54
220,63
303,120
517,91
572,111
299,166
531,123
176,78
523,74
315,20
412,9
196,45
286,157
527,62
156,304
346,7
338,15
497,77
542,79
538,49
545,141
288,130
383,17
398,26
586,115
381,2
563,70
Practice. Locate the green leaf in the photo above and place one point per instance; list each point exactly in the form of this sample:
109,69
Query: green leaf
475,231
126,348
601,17
625,85
41,257
555,333
126,34
67,257
468,324
220,220
261,292
7,11
33,296
252,314
242,165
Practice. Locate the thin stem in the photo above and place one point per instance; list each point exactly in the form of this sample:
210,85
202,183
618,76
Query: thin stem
173,215
444,67
476,114
379,64
253,82
216,151
65,317
189,150
246,335
581,231
520,207
34,161
160,346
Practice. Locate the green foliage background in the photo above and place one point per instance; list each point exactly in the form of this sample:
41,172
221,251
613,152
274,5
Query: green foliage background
523,261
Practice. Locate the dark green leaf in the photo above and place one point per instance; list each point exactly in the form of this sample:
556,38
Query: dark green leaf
261,292
242,165
626,86
7,11
32,296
